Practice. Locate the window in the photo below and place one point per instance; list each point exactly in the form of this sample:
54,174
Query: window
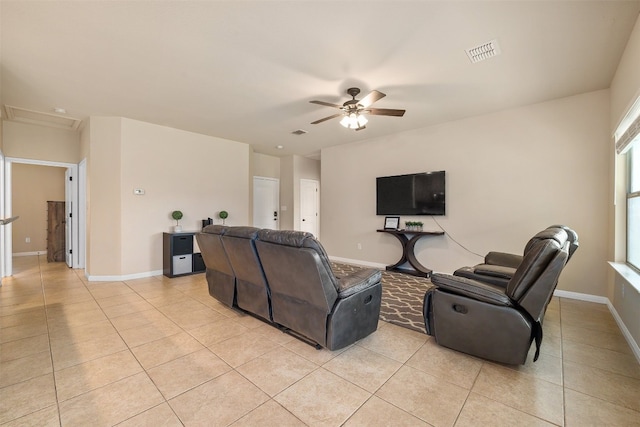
627,140
633,207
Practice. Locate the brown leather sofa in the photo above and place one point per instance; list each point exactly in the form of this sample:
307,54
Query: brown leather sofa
495,322
285,278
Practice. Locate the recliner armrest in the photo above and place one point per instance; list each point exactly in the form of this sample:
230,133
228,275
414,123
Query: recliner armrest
471,288
495,270
358,281
503,258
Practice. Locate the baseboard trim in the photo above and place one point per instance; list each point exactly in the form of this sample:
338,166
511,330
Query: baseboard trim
627,335
358,262
604,300
29,253
580,296
124,277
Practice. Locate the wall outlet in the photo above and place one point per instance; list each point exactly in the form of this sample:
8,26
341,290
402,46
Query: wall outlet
27,239
359,245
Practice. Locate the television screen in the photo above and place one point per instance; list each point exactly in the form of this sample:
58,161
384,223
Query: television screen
413,194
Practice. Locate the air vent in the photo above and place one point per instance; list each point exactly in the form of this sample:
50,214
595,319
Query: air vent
484,51
44,119
299,132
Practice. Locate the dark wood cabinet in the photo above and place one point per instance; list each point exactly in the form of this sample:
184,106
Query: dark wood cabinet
56,230
178,257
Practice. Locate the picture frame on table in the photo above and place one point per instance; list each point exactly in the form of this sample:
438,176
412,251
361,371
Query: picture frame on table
391,222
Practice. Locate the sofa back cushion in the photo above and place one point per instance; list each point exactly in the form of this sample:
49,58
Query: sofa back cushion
303,286
252,289
213,253
534,281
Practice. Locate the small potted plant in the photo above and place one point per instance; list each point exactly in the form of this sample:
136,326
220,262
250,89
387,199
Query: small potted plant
223,215
413,225
177,215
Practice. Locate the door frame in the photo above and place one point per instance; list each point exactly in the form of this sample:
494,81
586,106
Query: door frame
317,186
7,208
277,189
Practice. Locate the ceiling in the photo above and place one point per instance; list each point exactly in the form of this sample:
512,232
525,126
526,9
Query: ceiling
246,70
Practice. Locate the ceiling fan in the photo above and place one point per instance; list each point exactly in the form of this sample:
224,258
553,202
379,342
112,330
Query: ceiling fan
353,111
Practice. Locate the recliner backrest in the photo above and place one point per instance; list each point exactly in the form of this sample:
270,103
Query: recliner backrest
213,252
535,279
572,237
301,239
251,284
303,286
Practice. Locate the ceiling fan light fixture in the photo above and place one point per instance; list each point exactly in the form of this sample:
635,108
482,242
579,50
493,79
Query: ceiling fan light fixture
354,121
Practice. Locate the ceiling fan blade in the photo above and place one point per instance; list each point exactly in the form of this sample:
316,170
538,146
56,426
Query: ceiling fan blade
384,112
373,96
327,118
326,104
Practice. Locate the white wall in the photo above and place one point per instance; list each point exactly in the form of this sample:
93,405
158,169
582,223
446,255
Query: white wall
509,175
33,187
625,88
40,143
178,170
292,170
265,166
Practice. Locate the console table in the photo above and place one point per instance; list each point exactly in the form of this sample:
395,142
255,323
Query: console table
408,240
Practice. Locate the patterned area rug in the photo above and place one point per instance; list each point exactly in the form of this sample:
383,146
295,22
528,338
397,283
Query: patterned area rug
402,296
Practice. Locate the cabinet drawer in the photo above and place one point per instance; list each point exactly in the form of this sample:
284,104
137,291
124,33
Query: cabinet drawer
182,245
182,264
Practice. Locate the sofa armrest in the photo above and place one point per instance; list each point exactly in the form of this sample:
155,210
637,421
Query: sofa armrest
471,288
504,259
495,270
357,281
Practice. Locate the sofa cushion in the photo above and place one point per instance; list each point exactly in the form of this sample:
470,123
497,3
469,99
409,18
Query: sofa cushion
242,232
357,281
215,229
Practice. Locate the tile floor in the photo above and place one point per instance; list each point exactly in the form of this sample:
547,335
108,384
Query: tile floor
162,352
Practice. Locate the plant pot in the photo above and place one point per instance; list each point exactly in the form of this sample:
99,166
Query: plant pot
177,228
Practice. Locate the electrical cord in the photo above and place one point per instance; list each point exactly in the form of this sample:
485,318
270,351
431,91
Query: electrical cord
454,240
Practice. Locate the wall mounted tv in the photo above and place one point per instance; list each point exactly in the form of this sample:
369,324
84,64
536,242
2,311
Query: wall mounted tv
412,194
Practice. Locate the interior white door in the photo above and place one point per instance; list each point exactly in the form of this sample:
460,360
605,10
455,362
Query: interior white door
266,201
310,206
68,223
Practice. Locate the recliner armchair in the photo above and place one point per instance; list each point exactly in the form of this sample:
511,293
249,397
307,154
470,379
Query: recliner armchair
499,267
307,298
493,322
220,276
252,289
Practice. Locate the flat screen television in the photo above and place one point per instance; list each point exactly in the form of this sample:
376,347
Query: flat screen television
412,194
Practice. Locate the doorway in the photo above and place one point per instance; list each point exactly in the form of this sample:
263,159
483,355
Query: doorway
310,206
71,191
266,201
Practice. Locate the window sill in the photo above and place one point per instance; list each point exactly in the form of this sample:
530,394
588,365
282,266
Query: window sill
627,273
